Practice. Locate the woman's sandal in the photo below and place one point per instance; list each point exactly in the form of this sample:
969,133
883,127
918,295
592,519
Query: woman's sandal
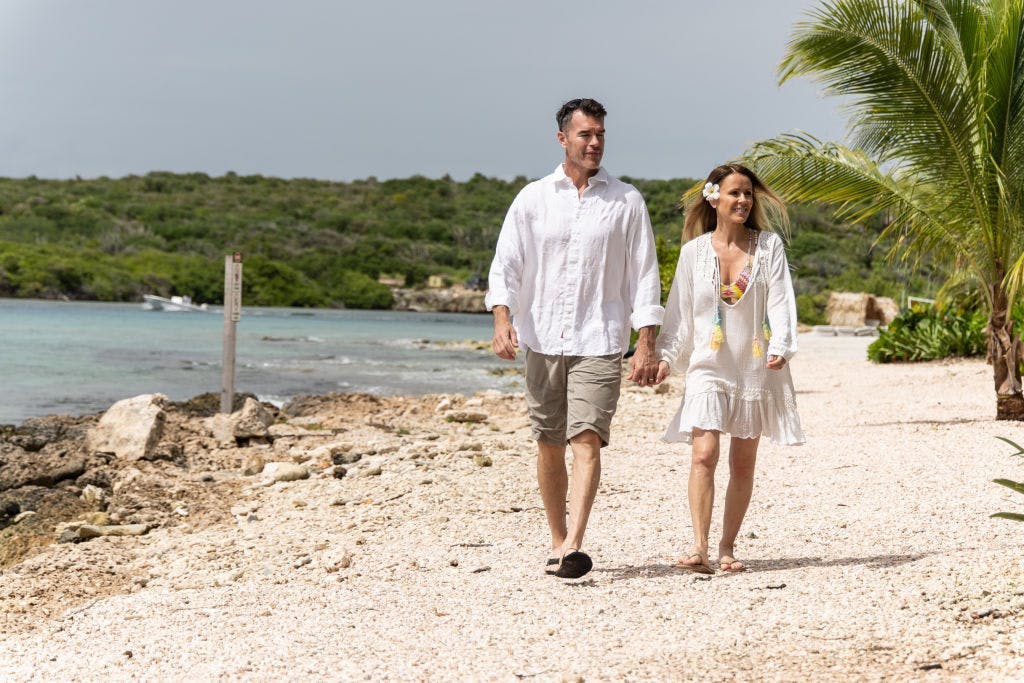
726,562
703,567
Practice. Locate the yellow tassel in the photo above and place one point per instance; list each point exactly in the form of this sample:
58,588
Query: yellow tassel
717,337
757,347
767,330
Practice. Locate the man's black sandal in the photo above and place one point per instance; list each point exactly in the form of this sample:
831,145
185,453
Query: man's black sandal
574,565
552,562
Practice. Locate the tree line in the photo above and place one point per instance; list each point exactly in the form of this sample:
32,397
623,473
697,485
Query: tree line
317,243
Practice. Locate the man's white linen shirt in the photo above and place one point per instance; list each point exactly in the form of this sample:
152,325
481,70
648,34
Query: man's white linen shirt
577,270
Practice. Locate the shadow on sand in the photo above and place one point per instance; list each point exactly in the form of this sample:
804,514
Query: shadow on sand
655,570
935,423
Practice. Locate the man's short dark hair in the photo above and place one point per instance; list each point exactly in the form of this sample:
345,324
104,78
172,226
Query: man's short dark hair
584,104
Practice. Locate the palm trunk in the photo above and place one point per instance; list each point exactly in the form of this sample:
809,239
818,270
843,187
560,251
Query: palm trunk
1004,351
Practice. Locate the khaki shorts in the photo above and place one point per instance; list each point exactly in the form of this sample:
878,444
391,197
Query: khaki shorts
567,395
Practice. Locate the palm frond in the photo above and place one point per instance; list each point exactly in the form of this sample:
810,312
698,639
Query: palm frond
1010,484
802,168
908,86
1020,449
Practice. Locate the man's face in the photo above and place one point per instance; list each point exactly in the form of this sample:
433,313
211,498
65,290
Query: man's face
583,140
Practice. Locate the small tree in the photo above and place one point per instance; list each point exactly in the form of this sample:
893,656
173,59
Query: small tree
935,94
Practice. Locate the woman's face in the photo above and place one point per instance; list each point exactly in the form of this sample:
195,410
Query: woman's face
736,199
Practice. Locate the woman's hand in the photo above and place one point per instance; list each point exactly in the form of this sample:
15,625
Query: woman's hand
775,362
663,371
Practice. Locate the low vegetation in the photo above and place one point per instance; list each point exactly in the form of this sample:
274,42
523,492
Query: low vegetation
929,334
319,243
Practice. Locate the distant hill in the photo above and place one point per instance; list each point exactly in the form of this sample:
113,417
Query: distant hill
320,243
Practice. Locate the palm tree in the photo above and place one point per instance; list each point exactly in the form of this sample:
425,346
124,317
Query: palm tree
934,90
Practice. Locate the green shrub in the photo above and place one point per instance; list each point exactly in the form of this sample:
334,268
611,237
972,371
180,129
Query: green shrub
668,256
357,290
810,308
928,335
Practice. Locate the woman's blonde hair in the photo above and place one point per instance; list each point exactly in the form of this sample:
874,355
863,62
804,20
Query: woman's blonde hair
767,207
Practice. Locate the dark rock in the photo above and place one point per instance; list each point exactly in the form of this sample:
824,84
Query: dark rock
346,458
339,472
39,469
208,404
315,404
36,433
169,451
97,476
52,506
69,536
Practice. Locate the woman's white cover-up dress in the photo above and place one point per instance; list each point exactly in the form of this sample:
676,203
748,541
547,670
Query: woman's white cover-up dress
729,389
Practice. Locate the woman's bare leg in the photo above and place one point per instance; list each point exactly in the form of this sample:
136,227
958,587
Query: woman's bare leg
742,458
701,492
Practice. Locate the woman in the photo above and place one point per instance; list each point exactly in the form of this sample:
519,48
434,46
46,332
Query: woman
730,322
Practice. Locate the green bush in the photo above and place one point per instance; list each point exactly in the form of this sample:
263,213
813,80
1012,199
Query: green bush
929,335
810,308
356,290
668,256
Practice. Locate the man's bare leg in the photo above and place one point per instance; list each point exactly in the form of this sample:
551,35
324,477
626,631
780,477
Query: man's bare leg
554,484
586,475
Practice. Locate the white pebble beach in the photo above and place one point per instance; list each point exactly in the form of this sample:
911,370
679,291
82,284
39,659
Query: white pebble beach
871,556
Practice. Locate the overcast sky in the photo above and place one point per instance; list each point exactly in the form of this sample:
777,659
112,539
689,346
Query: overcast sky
343,90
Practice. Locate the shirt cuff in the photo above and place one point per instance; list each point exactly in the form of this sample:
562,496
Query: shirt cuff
783,351
647,316
492,299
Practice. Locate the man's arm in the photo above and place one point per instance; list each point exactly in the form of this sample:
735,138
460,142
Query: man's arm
505,342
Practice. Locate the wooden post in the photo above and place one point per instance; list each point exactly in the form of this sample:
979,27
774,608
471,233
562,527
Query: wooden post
232,314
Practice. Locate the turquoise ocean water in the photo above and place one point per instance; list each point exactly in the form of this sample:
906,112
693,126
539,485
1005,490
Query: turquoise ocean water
79,357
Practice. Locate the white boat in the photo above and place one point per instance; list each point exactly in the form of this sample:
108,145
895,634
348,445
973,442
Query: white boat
175,303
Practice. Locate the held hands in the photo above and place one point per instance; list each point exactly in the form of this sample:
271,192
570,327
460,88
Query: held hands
644,368
775,362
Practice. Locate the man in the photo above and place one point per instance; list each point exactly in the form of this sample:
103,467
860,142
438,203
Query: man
574,267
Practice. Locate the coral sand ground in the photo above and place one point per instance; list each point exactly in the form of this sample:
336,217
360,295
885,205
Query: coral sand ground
871,550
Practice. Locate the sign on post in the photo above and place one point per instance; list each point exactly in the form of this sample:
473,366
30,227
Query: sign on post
232,314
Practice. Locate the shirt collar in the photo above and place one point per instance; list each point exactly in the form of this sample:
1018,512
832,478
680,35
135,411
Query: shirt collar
559,176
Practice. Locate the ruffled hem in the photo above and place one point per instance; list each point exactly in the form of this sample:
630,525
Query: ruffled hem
745,418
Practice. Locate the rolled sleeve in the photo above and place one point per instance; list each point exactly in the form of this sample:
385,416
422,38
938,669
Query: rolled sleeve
647,316
643,275
505,276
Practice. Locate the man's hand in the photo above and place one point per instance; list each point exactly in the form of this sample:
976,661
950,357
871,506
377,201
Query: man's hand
643,367
505,342
775,362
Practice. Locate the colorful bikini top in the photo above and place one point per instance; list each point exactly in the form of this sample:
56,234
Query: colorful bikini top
736,290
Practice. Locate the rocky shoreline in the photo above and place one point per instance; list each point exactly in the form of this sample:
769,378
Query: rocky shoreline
181,467
455,299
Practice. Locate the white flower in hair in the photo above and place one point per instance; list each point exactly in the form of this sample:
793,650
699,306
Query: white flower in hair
710,191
